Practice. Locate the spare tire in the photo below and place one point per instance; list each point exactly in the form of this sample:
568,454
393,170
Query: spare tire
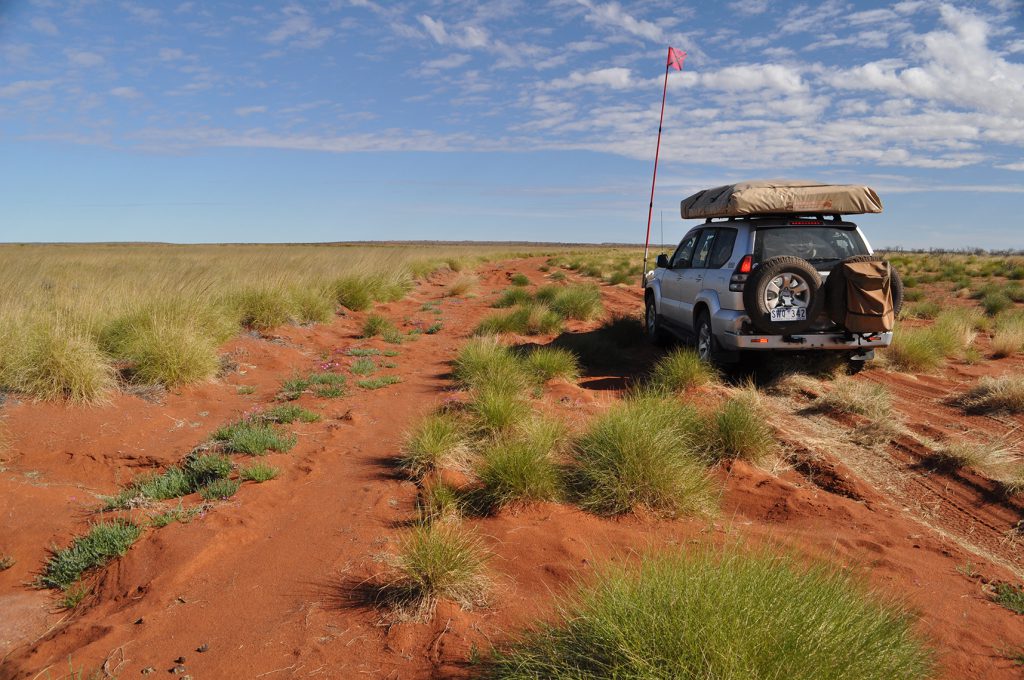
835,288
783,281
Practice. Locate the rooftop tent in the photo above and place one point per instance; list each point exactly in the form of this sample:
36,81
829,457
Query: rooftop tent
774,197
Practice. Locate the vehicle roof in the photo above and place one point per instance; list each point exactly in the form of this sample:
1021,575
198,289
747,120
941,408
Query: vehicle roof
780,221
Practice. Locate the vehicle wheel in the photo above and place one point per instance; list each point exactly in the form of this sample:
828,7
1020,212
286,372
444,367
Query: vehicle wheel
783,282
707,345
651,325
835,288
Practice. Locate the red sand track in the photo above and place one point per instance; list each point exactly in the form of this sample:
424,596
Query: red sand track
265,581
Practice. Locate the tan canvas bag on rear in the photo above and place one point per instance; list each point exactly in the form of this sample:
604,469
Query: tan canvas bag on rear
868,297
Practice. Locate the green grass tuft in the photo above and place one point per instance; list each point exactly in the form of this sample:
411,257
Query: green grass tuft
288,413
520,279
512,297
995,395
705,615
1010,596
252,438
529,319
436,561
582,302
258,472
497,410
547,363
379,382
518,470
681,369
741,431
219,489
262,308
644,453
55,361
486,363
376,325
438,441
105,541
364,366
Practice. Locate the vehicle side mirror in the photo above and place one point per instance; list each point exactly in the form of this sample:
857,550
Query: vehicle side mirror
662,261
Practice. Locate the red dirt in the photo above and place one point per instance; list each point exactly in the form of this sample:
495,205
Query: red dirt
265,581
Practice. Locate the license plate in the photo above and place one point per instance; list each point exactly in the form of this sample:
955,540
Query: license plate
789,314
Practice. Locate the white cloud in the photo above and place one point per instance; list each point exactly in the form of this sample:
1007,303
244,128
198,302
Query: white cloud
21,87
299,29
249,110
444,63
170,54
44,25
749,7
1019,167
125,92
755,77
611,14
465,37
84,58
615,78
146,15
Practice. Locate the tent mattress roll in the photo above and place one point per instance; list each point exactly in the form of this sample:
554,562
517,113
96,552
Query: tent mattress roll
775,197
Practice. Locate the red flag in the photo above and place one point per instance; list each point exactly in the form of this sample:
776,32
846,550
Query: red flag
676,58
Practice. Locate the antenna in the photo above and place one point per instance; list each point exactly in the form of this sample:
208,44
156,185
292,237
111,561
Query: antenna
663,230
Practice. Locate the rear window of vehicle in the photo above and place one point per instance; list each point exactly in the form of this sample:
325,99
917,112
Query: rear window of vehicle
818,245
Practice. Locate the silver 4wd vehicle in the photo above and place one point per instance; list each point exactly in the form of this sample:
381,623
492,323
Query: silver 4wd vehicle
755,283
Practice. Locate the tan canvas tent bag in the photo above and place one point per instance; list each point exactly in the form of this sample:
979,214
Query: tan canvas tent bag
868,297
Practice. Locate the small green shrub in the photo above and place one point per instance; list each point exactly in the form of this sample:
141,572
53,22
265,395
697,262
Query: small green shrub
644,452
219,489
6,562
363,366
353,292
178,514
924,310
362,352
258,472
172,483
203,468
312,304
252,438
996,302
434,328
287,414
486,363
1010,596
379,382
440,502
520,279
680,369
914,349
529,319
105,541
704,615
55,361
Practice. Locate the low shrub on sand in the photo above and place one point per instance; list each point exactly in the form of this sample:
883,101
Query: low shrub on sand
547,363
497,410
704,615
219,489
847,395
252,437
582,302
961,454
485,362
258,472
262,308
644,452
105,541
528,319
519,468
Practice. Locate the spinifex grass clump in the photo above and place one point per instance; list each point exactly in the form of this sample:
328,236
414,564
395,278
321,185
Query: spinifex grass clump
995,395
312,304
520,279
252,437
376,325
528,319
680,369
707,615
262,308
961,454
582,302
741,430
924,349
440,440
105,541
644,452
497,410
486,362
512,297
546,363
363,366
436,561
286,414
851,396
379,382
1008,338
519,468
54,361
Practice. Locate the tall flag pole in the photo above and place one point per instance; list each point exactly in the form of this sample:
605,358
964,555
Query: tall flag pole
675,61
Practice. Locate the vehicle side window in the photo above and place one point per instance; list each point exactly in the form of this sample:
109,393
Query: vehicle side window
683,253
722,250
704,246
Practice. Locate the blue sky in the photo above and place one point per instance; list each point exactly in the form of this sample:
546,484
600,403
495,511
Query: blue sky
502,120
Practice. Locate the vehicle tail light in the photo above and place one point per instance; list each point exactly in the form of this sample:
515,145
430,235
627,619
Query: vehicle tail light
739,277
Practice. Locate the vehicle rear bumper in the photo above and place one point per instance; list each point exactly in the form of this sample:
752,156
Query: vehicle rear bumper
803,341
